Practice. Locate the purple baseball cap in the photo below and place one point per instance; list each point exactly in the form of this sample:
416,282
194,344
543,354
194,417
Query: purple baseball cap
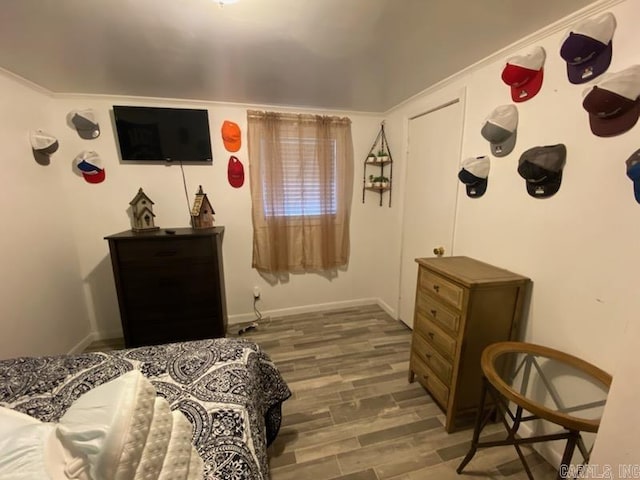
588,48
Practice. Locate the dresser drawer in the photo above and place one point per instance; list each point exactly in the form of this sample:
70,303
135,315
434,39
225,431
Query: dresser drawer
437,312
434,336
428,354
430,381
441,288
151,252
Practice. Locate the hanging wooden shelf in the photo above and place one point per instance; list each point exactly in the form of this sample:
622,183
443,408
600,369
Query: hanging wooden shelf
374,177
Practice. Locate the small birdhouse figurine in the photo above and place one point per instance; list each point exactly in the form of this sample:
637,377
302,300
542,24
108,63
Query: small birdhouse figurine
142,213
202,211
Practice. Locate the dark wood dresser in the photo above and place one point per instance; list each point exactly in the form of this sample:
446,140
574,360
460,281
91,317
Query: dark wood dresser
462,306
170,286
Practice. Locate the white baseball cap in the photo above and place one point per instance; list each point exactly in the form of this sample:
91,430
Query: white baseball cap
43,142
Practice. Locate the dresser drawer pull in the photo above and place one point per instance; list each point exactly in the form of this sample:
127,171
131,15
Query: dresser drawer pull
166,253
433,312
427,356
430,335
436,288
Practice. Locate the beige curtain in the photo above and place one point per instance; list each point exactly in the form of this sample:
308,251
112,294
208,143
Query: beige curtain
301,170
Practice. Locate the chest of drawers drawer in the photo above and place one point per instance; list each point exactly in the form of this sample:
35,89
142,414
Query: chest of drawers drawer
435,336
436,311
441,288
430,381
176,250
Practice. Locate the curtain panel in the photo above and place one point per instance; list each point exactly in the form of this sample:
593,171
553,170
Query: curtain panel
301,171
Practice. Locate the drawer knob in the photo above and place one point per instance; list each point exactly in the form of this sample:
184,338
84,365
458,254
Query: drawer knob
433,312
431,335
427,356
436,288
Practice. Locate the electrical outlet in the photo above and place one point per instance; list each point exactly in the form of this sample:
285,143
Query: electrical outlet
256,292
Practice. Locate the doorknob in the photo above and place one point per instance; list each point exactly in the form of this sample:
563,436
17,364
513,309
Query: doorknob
438,251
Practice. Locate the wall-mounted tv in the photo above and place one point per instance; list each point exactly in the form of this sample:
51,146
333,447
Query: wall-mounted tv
152,134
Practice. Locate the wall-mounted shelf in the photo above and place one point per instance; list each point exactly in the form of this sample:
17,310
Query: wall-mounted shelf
379,158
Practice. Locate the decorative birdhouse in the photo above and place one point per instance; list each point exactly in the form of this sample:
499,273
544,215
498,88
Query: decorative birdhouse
202,211
142,213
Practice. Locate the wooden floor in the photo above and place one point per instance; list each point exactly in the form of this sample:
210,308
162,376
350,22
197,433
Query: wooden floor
354,416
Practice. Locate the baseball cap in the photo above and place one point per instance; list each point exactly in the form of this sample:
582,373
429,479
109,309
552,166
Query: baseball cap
90,165
231,136
524,74
613,104
474,174
541,167
42,142
500,129
588,48
235,172
86,124
633,172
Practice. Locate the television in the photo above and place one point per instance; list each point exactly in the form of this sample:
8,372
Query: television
153,134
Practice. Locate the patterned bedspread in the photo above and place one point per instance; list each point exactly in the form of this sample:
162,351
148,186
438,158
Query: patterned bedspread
228,389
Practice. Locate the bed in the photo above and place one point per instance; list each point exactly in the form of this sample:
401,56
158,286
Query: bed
228,389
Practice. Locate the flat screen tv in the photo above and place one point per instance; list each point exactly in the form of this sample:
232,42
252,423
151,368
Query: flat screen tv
152,134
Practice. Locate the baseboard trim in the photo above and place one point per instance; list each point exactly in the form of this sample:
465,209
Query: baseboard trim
251,317
283,312
83,344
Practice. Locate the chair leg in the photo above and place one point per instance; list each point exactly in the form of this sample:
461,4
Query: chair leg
480,423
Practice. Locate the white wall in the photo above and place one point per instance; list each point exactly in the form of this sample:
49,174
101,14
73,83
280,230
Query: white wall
578,246
99,210
41,305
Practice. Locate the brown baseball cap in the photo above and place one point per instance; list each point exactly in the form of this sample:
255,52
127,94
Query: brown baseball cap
614,104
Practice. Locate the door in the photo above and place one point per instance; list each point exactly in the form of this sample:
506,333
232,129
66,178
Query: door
431,191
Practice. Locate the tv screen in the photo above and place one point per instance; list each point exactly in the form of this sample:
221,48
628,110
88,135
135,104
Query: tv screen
162,134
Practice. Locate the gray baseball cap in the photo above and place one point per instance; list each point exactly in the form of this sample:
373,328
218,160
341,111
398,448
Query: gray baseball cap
500,129
542,167
86,124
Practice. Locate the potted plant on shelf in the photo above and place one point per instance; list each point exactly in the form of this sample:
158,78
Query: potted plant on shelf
382,156
369,184
380,181
371,158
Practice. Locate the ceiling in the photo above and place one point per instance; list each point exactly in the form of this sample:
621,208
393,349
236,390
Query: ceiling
356,55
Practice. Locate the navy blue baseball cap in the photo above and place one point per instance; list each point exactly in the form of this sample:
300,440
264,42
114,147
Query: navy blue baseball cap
633,172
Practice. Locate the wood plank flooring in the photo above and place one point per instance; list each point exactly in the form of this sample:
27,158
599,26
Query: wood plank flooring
354,416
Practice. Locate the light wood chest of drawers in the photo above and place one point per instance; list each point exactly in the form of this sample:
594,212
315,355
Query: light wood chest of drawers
462,305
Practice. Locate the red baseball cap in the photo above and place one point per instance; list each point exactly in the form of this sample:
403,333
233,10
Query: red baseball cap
235,172
524,74
89,164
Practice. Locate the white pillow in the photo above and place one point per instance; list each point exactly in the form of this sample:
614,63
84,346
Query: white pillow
196,466
31,449
157,442
176,461
110,424
117,431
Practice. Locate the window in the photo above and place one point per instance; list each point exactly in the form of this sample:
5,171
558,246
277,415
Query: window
303,191
301,169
